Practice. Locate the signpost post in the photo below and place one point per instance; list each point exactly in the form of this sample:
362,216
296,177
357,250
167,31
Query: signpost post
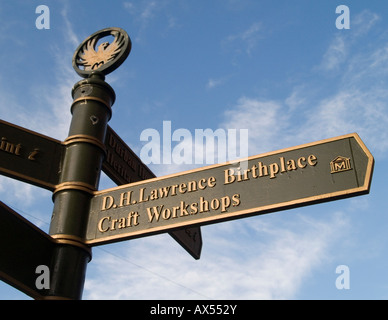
144,205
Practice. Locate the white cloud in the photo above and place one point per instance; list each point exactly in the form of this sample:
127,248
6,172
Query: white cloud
50,115
343,43
363,22
355,100
146,12
212,83
335,54
266,122
277,257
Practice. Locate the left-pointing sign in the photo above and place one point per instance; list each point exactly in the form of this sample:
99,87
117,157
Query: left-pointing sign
29,156
23,248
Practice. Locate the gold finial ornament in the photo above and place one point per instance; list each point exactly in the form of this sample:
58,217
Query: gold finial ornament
106,57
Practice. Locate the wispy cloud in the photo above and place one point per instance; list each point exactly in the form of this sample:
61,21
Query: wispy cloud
213,83
265,121
50,115
276,261
357,103
247,40
344,40
146,12
335,54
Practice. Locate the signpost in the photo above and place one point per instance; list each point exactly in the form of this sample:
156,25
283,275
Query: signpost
144,205
274,181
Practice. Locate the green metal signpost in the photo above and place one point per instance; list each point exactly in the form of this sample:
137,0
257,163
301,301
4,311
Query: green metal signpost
142,204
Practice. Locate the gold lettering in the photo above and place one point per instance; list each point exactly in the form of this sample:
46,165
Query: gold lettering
312,160
203,205
174,212
107,203
166,214
273,169
113,224
108,224
229,176
132,219
19,146
201,185
125,196
154,213
9,147
154,194
141,196
215,204
194,208
263,170
254,172
300,164
182,187
242,176
282,165
32,155
291,165
163,192
100,224
225,203
211,182
183,208
122,223
173,189
236,199
192,186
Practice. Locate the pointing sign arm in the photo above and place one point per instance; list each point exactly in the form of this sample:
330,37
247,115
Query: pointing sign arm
123,166
23,247
322,171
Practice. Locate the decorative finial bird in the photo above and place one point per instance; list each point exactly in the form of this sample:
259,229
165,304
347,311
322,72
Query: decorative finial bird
92,59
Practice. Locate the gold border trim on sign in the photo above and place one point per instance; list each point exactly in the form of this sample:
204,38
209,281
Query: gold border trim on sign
264,209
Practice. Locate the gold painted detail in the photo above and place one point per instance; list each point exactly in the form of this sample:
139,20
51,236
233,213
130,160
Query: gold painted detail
271,170
17,149
86,99
86,139
340,164
65,239
203,204
92,59
124,162
74,185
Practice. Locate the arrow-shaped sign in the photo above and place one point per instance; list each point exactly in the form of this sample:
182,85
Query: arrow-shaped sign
23,248
321,171
123,166
29,156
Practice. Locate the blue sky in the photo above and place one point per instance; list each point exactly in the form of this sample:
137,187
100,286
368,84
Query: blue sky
280,69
